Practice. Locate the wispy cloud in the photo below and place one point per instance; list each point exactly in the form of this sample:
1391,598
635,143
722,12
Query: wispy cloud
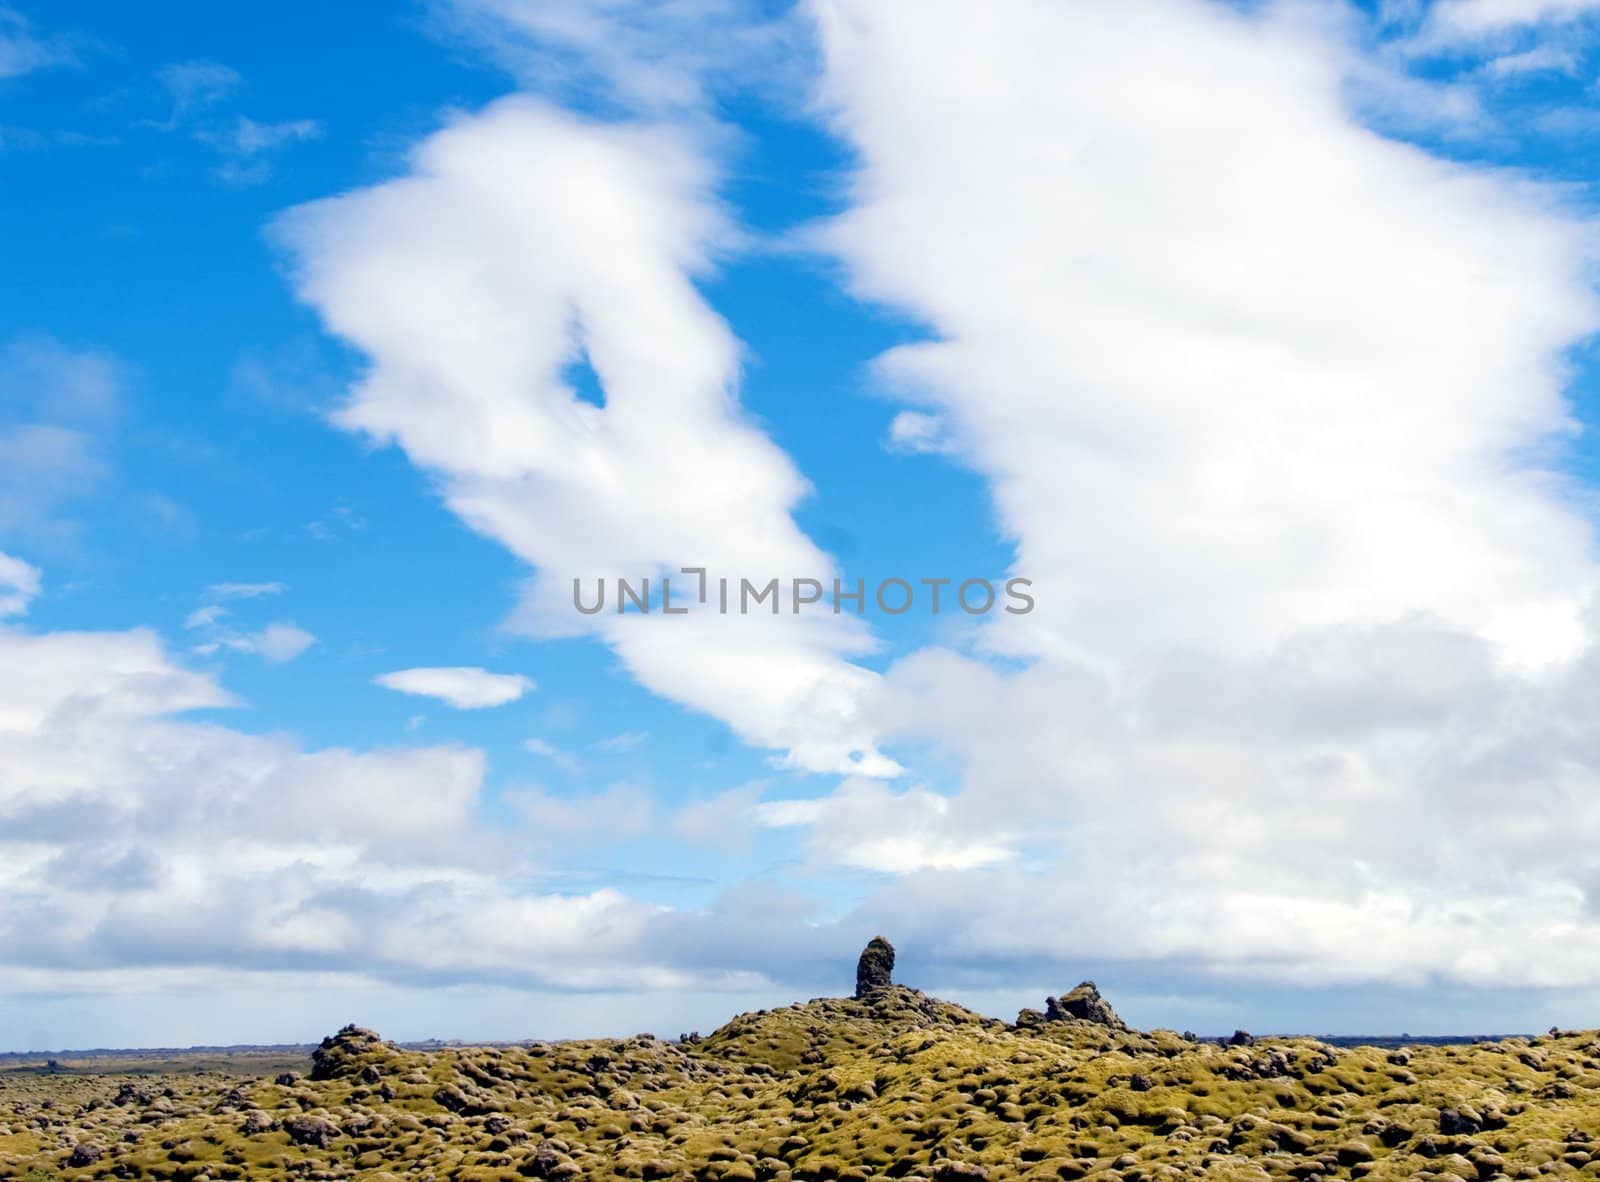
277,643
1456,21
19,585
1541,59
461,686
626,741
195,85
548,750
247,147
244,590
639,55
22,50
59,410
915,431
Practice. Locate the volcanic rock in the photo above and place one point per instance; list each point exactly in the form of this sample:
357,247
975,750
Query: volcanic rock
1084,1004
875,968
341,1054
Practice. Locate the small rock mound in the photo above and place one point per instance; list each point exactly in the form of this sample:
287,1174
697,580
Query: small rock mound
311,1130
1083,1004
85,1154
344,1053
875,969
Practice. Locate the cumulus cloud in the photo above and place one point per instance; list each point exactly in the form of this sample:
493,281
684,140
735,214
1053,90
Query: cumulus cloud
1274,360
522,240
869,826
464,687
137,845
1273,410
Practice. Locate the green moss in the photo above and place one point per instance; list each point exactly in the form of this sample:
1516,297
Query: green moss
897,1085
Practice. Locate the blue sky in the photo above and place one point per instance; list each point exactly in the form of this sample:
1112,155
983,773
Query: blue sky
337,344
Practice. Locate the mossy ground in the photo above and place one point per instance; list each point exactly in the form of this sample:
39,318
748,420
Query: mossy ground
897,1086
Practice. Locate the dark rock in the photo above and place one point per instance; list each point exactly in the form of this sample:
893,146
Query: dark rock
875,968
544,1163
311,1130
1085,1005
288,1079
132,1093
339,1054
960,1171
1241,1038
85,1153
1459,1122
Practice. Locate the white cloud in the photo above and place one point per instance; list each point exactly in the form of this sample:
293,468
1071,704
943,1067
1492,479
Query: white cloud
1541,59
205,617
866,825
281,642
277,643
1319,386
135,841
914,431
1464,20
521,240
19,585
639,54
1272,407
464,687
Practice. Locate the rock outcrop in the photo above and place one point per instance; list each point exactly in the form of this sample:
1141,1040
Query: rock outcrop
344,1053
1083,1004
875,969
